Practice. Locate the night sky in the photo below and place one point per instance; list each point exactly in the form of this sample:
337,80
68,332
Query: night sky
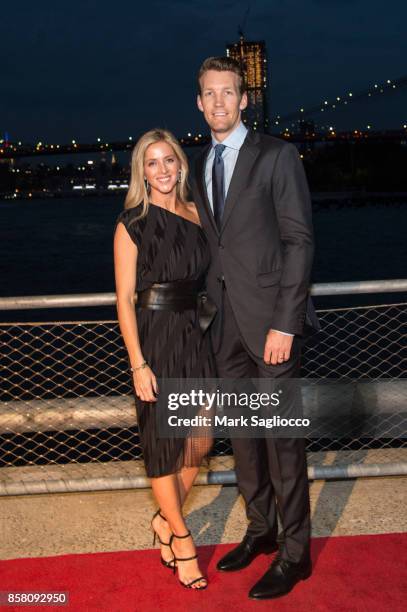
83,69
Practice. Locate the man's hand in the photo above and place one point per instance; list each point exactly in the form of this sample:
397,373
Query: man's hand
277,348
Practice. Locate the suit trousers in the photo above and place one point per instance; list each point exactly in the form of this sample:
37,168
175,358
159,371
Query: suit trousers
271,472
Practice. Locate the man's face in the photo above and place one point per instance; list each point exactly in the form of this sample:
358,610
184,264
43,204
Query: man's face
221,102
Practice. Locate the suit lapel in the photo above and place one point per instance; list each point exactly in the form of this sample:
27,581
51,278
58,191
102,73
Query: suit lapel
247,156
201,183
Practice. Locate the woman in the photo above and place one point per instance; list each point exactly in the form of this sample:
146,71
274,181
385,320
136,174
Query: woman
159,246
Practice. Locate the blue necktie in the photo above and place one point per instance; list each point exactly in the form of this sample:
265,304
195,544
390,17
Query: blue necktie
218,184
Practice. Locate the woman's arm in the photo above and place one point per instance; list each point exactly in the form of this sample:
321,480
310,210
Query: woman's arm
125,266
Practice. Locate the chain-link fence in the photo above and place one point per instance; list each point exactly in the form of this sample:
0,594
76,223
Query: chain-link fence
67,414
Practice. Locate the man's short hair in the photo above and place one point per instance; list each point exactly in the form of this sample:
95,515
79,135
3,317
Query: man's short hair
222,64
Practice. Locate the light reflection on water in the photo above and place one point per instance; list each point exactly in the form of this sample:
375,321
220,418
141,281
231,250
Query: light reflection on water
65,246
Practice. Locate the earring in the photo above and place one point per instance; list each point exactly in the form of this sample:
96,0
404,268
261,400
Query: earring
179,176
146,184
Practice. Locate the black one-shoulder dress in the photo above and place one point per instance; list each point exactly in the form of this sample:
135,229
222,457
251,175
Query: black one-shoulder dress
170,248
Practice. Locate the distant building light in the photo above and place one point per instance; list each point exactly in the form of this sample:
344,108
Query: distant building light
112,186
74,142
350,93
98,139
76,187
124,185
189,134
90,162
130,137
90,187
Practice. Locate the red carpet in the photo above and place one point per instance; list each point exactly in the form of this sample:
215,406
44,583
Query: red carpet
357,573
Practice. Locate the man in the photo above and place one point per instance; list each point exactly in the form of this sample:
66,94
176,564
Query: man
254,204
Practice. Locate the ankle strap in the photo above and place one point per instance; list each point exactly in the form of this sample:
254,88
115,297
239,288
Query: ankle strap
187,535
158,513
185,558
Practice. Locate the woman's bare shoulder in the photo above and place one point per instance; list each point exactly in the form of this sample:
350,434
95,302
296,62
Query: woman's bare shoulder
193,211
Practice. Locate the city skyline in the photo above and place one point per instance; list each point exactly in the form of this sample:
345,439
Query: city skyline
91,72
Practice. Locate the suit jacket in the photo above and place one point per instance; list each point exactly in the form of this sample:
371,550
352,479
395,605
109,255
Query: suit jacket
264,250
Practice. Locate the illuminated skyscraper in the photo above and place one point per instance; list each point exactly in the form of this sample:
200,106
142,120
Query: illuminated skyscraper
252,57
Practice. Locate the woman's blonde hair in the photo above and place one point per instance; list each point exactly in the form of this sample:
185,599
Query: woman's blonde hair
138,192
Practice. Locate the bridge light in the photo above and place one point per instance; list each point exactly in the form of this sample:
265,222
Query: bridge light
130,137
325,102
388,80
98,139
368,127
376,86
350,93
302,110
74,142
189,134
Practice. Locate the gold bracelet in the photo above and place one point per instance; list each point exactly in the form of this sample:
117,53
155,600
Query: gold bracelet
140,367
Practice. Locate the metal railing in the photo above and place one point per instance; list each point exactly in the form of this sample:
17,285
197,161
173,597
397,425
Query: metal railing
67,414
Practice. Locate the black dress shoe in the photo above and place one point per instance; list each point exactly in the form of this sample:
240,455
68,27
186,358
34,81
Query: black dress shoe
241,556
281,578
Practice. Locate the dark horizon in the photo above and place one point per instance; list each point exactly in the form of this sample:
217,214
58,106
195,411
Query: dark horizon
97,72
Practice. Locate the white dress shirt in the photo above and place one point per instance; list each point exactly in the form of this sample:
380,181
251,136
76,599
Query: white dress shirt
233,144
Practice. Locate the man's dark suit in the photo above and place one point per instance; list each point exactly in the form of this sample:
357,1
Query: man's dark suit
258,278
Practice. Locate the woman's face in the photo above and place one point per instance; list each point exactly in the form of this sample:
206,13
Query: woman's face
161,167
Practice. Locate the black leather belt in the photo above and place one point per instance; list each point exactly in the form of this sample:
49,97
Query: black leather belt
179,296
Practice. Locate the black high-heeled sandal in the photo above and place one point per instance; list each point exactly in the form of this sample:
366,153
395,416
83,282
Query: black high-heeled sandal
171,563
176,559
